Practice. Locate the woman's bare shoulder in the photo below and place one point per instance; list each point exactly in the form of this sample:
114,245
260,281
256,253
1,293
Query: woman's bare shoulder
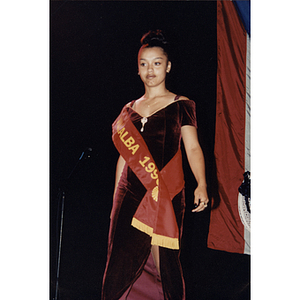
130,103
182,98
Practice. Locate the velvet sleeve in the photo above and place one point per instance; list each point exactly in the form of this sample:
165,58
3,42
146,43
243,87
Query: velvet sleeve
188,113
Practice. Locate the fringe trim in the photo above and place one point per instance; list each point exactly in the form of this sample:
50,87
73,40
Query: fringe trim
159,240
165,241
141,226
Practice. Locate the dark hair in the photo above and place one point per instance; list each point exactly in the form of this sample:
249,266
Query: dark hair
155,38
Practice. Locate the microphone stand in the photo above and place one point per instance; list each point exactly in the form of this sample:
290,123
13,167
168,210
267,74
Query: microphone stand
62,195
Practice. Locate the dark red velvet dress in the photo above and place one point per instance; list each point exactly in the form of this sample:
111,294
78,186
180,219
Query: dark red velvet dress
129,248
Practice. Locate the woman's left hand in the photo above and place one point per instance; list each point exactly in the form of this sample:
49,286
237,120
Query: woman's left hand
201,199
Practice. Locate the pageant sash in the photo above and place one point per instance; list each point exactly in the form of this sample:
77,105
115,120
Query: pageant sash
155,215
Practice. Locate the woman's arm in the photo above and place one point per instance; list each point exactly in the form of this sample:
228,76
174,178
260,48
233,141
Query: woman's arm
119,169
196,160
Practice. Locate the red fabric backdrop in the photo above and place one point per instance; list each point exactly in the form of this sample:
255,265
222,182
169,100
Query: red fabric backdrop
226,229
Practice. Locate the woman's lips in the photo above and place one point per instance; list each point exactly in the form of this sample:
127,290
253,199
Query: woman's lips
150,76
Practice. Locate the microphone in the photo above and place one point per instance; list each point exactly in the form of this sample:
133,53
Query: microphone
86,154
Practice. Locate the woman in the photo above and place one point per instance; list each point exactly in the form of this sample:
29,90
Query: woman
148,208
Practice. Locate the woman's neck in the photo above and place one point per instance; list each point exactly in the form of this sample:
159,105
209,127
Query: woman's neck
152,93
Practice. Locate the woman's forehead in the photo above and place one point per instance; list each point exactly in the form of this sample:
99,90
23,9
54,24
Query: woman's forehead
151,53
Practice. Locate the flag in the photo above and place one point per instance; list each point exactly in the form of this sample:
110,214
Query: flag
230,214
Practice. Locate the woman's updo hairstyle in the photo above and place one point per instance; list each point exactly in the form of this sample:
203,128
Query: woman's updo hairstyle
155,38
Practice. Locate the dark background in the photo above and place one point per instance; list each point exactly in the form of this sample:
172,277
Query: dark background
93,74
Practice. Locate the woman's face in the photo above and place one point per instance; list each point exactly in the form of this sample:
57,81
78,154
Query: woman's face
153,66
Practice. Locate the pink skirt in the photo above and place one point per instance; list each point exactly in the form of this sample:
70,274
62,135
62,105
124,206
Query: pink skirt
148,286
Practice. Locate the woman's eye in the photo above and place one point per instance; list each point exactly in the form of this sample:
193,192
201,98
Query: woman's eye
157,63
143,64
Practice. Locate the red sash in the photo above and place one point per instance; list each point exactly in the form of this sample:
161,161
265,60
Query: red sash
155,215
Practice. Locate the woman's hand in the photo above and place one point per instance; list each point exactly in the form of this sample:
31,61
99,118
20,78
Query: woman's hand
201,198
